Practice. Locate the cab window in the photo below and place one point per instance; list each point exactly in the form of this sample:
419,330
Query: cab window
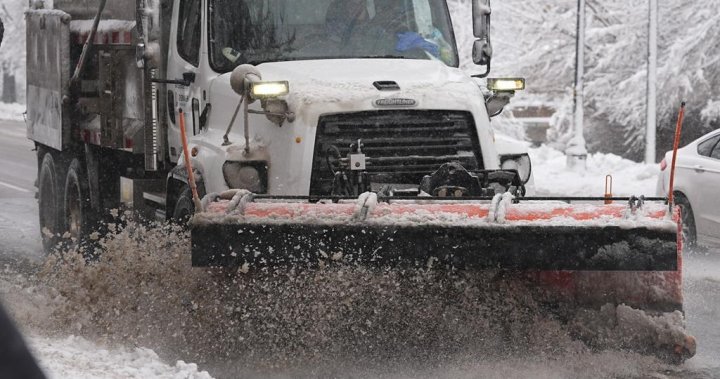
259,31
188,34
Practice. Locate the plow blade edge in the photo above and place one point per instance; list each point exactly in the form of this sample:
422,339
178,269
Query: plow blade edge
525,247
470,235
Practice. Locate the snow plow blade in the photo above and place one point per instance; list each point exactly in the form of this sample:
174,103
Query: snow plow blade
587,253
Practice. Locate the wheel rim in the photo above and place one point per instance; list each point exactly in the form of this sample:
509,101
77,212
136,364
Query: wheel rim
74,212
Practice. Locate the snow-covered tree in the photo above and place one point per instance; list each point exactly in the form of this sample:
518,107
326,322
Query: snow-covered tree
12,51
536,39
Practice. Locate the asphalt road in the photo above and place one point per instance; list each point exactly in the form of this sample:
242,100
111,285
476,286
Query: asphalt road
20,247
19,234
19,168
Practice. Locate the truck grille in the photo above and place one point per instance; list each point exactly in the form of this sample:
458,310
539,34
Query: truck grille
401,146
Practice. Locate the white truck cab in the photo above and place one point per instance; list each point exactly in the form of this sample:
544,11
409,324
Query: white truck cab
365,77
315,98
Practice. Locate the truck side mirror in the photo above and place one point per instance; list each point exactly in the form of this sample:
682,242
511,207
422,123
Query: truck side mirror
242,76
481,19
482,48
482,52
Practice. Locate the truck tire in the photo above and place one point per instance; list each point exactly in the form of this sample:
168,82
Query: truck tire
184,207
689,232
77,213
49,200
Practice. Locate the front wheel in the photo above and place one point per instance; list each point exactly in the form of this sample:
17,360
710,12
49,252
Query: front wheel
689,232
184,208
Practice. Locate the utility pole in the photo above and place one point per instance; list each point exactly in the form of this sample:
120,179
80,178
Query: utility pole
651,128
576,151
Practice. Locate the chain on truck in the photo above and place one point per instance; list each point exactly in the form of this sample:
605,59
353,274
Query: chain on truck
297,132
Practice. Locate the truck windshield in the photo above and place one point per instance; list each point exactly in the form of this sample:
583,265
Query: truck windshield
257,31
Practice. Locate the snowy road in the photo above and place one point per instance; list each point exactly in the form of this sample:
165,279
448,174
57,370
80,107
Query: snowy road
61,354
702,309
18,171
20,253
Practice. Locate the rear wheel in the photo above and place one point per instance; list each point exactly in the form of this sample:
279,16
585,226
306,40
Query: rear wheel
49,196
77,215
689,232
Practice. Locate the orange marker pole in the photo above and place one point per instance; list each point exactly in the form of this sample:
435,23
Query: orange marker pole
678,130
188,165
608,189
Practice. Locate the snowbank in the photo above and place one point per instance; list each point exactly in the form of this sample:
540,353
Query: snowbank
13,111
77,358
552,177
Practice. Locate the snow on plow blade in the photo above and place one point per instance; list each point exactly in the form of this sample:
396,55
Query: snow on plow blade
599,253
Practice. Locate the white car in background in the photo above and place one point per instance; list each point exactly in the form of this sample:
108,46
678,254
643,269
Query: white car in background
697,188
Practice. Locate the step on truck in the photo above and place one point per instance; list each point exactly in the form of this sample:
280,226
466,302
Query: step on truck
308,132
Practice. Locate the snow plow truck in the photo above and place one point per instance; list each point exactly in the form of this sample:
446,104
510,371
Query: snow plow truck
297,132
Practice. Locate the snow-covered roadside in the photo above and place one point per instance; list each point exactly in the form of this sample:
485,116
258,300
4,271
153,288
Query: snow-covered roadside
12,112
552,177
77,358
74,357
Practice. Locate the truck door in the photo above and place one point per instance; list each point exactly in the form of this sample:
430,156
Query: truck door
183,63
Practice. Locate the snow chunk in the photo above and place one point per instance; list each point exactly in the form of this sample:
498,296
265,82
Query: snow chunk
626,327
105,26
75,357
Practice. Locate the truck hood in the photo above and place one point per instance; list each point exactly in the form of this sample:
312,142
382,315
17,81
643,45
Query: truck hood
363,72
348,83
324,87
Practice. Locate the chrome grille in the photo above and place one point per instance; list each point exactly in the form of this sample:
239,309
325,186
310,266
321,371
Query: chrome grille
401,146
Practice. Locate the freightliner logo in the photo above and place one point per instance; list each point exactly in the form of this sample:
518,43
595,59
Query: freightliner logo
395,102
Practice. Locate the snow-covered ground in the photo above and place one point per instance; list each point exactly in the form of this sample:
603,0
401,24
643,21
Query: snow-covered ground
553,178
76,358
63,356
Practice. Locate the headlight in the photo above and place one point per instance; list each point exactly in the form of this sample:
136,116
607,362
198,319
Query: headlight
249,175
520,163
506,84
269,90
